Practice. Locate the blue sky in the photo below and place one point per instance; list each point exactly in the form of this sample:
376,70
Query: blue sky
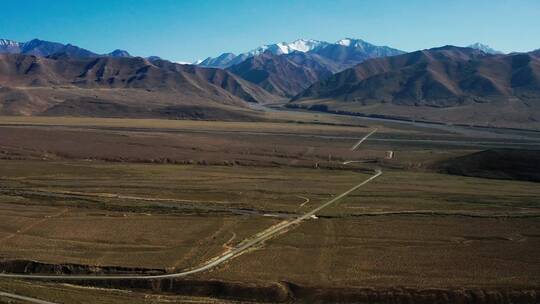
189,30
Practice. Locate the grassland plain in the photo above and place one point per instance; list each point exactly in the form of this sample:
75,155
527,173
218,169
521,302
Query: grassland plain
169,195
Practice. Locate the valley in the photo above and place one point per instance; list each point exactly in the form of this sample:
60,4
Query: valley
136,196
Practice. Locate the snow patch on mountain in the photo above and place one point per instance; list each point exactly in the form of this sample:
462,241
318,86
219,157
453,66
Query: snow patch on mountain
299,45
7,42
228,59
344,42
9,46
484,48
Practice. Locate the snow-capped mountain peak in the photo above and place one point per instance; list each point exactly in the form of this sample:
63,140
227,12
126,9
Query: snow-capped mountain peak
299,45
303,46
345,42
350,42
484,48
9,46
7,42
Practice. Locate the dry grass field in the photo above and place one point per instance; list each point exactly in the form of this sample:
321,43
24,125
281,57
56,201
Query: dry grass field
66,211
68,293
164,196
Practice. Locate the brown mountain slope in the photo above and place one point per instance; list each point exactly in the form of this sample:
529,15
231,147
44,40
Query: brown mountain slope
284,75
43,48
108,86
448,84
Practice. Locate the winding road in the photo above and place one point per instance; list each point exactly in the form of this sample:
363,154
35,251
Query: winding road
243,247
306,200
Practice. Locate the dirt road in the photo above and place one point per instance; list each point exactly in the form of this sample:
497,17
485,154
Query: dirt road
234,252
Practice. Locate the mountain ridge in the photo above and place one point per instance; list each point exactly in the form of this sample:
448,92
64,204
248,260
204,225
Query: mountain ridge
290,70
283,75
43,48
449,83
228,59
485,48
130,86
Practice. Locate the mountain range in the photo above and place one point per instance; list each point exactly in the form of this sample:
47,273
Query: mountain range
120,86
464,85
226,60
285,69
44,48
346,51
284,75
450,84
